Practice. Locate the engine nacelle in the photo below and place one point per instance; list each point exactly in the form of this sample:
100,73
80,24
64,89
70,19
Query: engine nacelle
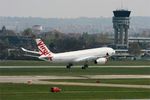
101,61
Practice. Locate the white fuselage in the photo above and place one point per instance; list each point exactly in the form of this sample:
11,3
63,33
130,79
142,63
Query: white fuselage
98,55
82,55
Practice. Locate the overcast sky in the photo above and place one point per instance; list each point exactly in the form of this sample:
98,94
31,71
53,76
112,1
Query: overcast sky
71,8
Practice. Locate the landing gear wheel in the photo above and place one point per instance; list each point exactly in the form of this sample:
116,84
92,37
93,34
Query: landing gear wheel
69,65
85,66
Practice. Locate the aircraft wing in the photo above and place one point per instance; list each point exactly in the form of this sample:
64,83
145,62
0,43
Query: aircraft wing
88,58
35,52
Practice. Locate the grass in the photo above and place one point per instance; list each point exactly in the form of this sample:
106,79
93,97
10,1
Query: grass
113,81
9,91
23,63
74,71
42,92
43,63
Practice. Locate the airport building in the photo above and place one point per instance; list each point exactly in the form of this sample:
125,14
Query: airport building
37,29
121,23
122,41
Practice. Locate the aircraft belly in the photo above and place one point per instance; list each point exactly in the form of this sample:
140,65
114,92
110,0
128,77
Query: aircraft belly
64,59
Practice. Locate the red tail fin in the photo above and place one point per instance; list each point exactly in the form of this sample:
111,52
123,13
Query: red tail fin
43,50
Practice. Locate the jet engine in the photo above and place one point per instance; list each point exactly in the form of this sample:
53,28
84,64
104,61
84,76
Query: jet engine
101,61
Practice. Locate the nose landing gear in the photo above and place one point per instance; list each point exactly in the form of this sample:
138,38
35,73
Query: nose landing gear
70,65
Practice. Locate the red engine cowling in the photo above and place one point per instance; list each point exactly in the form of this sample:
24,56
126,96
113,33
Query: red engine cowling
101,61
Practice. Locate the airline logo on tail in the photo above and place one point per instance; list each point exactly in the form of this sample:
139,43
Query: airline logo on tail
43,50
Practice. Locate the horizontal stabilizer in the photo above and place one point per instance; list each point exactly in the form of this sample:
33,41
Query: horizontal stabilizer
31,56
42,56
35,52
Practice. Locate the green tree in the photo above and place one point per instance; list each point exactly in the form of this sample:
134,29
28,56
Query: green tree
135,49
28,33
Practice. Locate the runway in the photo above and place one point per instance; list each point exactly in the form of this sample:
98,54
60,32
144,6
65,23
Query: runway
38,80
73,66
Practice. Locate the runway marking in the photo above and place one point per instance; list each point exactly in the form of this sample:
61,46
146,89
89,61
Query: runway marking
94,84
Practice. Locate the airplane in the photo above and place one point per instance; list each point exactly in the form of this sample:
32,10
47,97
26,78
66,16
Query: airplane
96,55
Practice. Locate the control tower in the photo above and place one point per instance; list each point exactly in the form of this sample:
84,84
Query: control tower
121,22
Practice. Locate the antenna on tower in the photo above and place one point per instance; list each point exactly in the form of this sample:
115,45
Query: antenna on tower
121,4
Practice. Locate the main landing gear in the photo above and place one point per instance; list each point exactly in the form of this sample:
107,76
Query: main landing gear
69,65
83,67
